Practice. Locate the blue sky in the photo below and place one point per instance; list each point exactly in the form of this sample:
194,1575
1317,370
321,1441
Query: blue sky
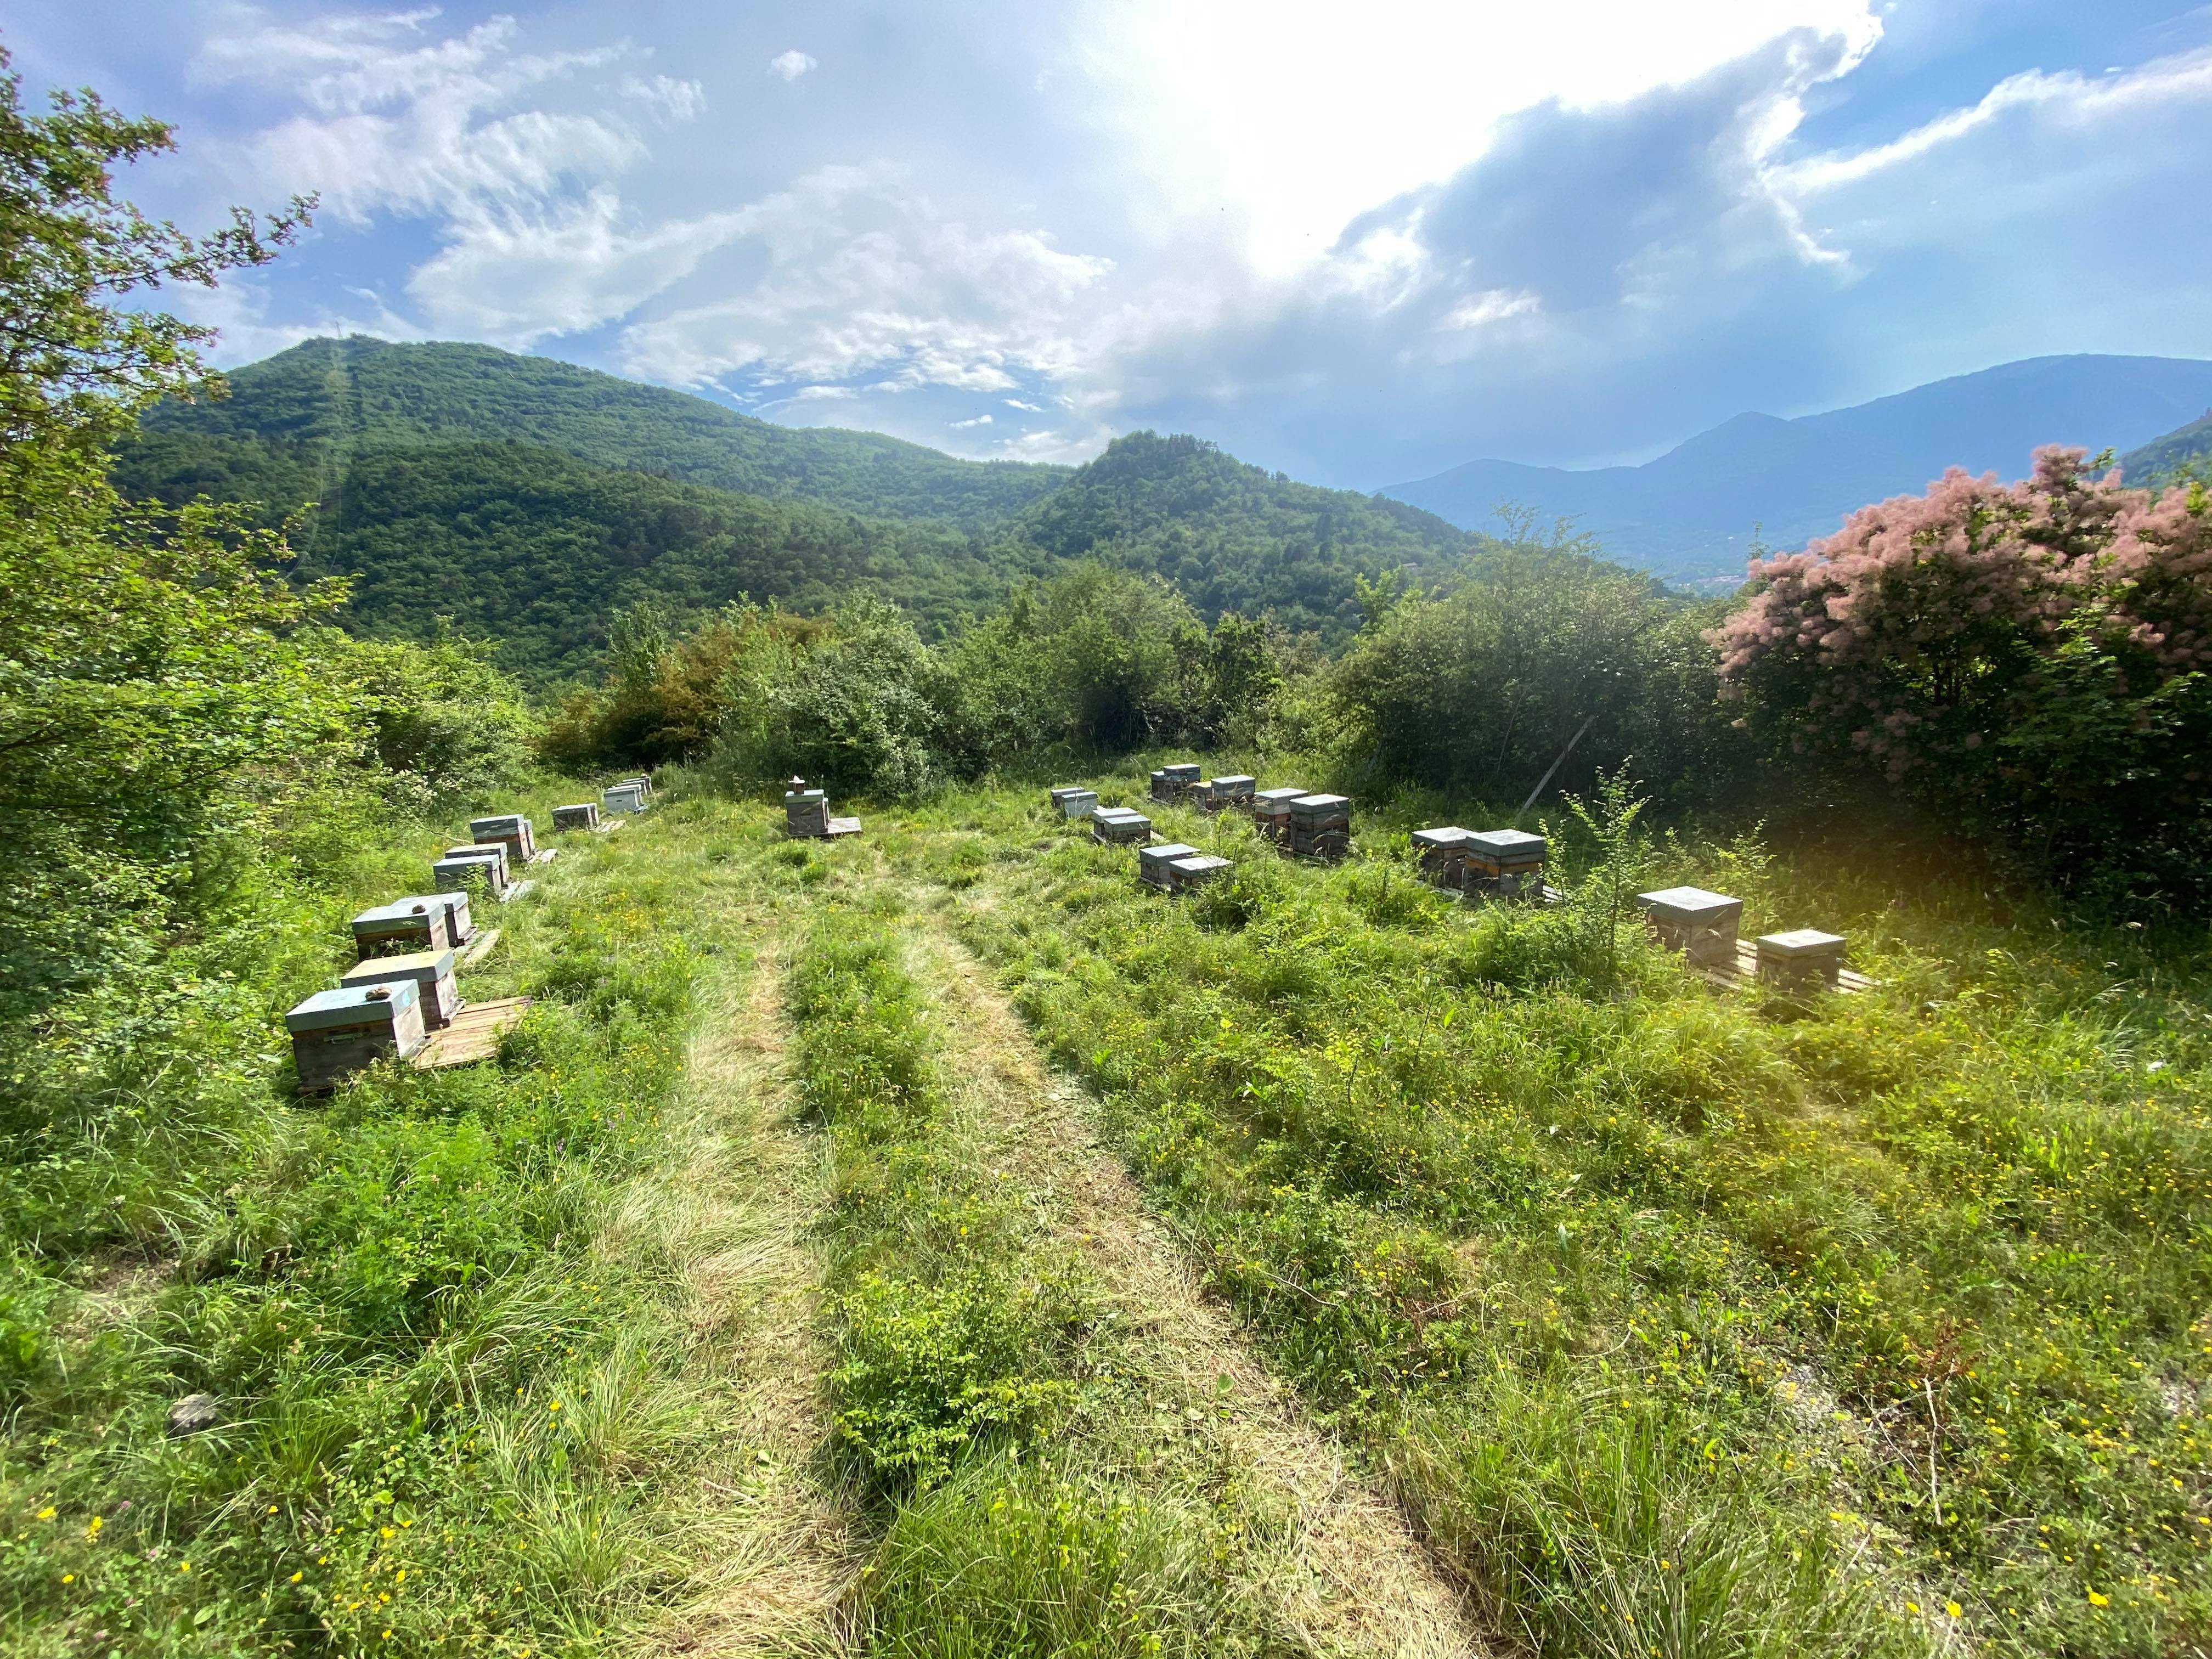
1358,243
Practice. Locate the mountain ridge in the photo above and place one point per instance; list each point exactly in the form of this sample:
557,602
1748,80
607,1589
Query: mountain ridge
1691,514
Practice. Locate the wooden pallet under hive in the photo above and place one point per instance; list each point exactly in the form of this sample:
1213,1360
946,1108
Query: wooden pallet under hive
474,1035
1743,972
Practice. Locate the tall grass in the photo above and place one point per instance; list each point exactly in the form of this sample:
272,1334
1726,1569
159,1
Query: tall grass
1687,1322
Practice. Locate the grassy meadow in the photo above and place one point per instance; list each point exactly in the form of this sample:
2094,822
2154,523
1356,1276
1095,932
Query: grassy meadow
937,1243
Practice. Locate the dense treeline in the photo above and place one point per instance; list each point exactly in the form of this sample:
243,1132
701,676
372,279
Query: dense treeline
330,396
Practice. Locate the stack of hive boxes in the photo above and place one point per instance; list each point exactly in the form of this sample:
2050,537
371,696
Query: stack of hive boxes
1321,827
1503,864
1803,959
1703,926
1171,784
431,972
408,924
484,862
1074,802
336,1033
511,831
622,797
1120,826
805,812
1271,811
1218,794
1443,853
1175,868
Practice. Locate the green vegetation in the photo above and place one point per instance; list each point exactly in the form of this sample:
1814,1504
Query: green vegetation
308,410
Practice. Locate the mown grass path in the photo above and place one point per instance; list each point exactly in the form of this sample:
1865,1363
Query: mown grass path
1351,1577
750,1195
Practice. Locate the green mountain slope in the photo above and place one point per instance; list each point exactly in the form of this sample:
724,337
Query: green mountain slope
1234,536
2185,449
323,397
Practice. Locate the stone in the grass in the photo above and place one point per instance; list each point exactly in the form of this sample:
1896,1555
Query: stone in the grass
1320,826
584,815
1202,867
1801,959
195,1413
1120,826
622,798
410,924
1703,926
1503,864
1152,861
432,974
338,1033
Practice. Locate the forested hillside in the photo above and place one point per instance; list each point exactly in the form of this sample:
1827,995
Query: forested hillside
323,398
529,499
2185,449
1236,537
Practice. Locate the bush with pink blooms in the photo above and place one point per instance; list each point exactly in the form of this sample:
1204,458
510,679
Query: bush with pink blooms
2032,658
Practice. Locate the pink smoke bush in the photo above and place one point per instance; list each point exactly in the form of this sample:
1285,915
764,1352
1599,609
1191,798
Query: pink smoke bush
1931,631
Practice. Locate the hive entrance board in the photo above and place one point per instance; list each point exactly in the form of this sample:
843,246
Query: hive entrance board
473,1036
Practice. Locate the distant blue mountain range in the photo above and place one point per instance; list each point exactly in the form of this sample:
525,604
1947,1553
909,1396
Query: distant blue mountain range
1690,515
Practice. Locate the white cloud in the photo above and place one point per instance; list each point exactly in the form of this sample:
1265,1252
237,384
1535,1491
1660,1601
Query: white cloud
672,99
791,64
1016,403
859,275
962,426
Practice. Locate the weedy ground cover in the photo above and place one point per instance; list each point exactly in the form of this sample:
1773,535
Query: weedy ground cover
451,1417
1686,1322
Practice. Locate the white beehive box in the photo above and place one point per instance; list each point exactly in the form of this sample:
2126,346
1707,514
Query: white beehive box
1153,862
622,797
1120,826
465,864
1804,958
1196,871
431,973
338,1033
584,815
1503,864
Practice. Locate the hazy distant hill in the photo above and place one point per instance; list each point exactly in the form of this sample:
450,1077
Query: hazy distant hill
528,499
315,401
1690,514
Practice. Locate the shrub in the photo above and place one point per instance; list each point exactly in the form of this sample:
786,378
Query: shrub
2030,658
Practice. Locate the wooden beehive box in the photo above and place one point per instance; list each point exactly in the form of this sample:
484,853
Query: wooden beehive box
1271,810
1503,864
465,864
1320,826
431,973
1153,862
404,925
338,1033
512,830
1196,871
1442,852
584,815
460,928
1803,959
1703,926
1222,793
1120,826
622,798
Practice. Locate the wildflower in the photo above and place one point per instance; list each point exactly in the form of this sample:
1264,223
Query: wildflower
68,1578
297,1577
47,1513
2097,1600
1954,1609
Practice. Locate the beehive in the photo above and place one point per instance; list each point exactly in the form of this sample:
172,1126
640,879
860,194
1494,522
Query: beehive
338,1033
1171,784
622,798
644,783
1443,853
459,928
1120,826
1271,811
512,830
1503,864
1221,794
408,924
1153,862
806,813
1803,959
463,865
1702,926
584,815
1196,870
1075,803
1321,827
431,973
